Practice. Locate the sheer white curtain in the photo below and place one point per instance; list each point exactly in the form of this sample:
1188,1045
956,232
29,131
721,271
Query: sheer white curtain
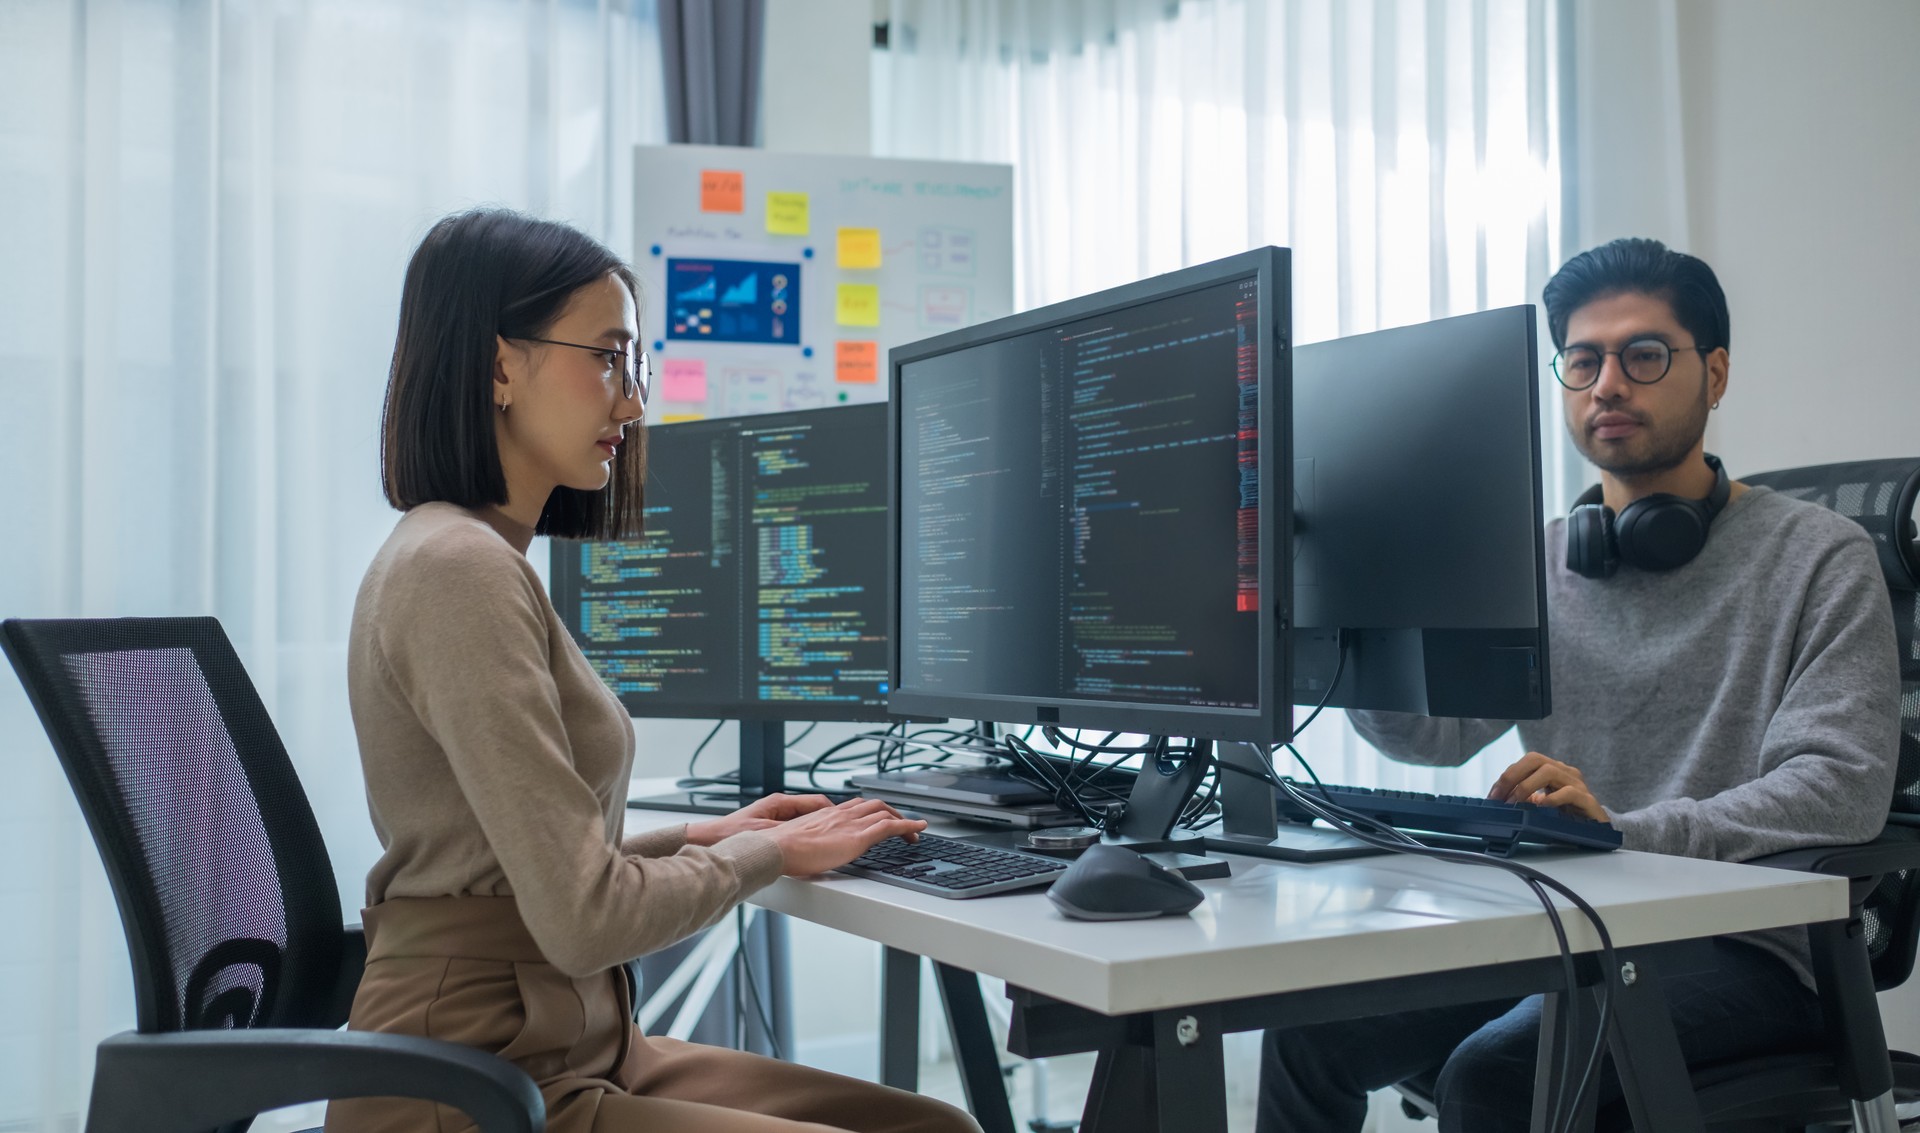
205,211
1407,151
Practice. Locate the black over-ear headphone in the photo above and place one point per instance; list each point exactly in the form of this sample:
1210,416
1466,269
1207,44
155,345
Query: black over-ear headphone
1657,532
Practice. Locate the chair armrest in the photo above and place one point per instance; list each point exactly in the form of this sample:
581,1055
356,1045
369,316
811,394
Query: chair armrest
183,1081
1887,854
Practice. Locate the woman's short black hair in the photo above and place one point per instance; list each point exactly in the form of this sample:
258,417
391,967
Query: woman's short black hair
1647,267
477,275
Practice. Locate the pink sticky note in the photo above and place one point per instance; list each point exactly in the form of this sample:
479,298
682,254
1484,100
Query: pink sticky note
683,379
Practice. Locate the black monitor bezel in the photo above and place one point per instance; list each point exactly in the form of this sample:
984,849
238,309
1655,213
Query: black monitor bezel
654,706
1272,721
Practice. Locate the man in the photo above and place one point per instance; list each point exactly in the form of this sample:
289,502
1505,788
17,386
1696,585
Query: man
1739,701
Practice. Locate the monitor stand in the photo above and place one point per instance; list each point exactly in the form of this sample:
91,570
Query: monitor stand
1155,803
1249,819
1153,809
763,771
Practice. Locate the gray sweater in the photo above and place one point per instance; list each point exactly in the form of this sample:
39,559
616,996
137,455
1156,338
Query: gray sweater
1744,704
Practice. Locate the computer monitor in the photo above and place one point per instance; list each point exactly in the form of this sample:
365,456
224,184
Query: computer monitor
1085,498
1417,499
758,593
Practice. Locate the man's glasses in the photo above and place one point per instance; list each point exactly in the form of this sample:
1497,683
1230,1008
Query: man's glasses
1645,360
636,370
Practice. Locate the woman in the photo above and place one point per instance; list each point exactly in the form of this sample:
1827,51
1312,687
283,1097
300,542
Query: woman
497,761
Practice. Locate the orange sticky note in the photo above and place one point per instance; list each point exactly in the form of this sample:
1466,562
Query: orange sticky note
855,361
722,190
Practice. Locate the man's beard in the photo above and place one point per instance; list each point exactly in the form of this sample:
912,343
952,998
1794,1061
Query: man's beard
1659,448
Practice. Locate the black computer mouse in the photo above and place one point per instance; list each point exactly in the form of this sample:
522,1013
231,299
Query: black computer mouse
1111,883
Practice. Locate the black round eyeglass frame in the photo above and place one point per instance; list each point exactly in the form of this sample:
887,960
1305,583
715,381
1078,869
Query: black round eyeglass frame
636,369
1559,359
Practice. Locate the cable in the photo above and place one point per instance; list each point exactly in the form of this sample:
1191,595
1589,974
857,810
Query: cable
1339,667
1387,837
1358,827
695,757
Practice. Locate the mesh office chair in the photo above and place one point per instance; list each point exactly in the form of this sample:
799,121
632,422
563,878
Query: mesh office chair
241,969
1849,1077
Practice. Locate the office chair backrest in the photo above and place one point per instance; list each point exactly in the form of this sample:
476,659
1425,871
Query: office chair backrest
224,886
1880,496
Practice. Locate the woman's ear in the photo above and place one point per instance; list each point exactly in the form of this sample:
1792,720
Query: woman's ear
509,370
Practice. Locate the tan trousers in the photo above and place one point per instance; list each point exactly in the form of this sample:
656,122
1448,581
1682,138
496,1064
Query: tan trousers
465,969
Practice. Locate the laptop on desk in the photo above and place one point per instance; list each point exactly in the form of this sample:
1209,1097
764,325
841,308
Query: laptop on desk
976,794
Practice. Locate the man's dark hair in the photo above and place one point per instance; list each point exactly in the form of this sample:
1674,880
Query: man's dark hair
1646,267
477,275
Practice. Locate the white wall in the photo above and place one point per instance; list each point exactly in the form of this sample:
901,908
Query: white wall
1781,144
1802,125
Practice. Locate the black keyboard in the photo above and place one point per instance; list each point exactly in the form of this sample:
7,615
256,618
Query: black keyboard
949,867
1501,825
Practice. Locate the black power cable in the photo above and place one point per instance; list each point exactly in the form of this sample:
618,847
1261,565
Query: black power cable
1382,836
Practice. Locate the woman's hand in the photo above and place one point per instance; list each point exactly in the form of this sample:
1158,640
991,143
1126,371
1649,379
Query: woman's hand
1544,781
760,814
835,835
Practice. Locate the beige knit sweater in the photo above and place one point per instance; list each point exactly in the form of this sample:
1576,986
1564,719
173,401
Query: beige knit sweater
497,761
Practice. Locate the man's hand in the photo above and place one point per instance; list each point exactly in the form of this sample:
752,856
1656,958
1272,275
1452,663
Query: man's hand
835,835
760,814
1543,781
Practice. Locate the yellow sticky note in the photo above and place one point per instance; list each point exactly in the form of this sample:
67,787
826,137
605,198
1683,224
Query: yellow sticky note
787,214
856,361
670,418
859,247
858,305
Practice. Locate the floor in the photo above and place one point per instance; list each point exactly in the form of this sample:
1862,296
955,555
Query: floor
1046,1096
1060,1088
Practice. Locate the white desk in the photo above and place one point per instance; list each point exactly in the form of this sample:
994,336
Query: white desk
1304,942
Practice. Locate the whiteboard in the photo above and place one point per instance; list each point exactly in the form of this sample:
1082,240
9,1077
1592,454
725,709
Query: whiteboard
775,281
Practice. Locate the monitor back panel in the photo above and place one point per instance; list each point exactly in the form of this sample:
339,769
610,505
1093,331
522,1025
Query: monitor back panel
1417,500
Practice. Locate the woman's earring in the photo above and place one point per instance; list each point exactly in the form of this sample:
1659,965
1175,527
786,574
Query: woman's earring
1715,405
503,406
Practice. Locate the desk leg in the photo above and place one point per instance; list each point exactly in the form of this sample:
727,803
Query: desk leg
1189,1071
1120,1098
900,1019
974,1049
1646,1054
1177,1084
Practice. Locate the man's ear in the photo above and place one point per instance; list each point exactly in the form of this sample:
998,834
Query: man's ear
1718,365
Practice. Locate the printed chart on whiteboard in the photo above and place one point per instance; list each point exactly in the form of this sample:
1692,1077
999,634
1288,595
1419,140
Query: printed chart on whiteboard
771,282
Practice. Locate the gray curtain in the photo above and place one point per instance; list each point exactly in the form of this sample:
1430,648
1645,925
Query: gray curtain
711,52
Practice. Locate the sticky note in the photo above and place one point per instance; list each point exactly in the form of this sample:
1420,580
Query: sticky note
856,361
670,418
787,214
722,190
858,305
859,247
683,379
